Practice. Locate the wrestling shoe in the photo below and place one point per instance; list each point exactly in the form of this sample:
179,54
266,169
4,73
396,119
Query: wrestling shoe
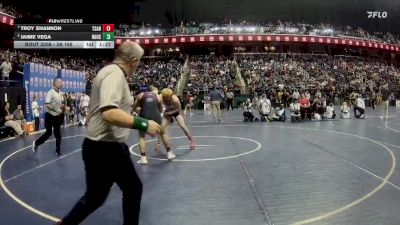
170,155
34,147
143,160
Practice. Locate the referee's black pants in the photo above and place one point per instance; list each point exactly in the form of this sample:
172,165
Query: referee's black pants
106,163
51,123
358,109
229,103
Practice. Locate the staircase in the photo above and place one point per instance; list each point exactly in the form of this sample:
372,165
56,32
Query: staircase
239,81
182,80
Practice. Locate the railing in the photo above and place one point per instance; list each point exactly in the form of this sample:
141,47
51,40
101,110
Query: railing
259,38
239,79
182,80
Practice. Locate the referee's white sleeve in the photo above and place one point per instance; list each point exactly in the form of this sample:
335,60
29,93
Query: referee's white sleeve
49,95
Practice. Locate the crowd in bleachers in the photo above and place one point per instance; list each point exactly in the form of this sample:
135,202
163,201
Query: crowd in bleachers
281,77
9,9
209,71
257,28
306,85
320,80
258,70
161,72
261,71
19,58
316,71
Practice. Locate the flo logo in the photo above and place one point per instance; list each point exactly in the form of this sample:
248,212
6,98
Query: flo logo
376,14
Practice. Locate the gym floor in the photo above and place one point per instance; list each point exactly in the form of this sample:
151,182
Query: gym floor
326,172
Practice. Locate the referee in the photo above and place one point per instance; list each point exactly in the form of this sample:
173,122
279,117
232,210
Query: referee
229,99
54,113
104,152
215,98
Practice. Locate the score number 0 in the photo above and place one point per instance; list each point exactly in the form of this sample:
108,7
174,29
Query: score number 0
108,28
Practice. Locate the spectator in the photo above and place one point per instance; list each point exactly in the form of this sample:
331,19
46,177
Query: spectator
229,99
279,114
330,112
264,108
305,110
294,109
83,108
19,117
248,115
9,119
35,112
6,68
385,97
71,103
296,95
359,107
190,104
345,111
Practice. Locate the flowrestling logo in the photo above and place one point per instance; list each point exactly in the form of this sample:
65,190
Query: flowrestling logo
377,14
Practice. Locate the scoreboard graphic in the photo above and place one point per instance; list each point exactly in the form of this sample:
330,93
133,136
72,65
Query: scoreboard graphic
64,36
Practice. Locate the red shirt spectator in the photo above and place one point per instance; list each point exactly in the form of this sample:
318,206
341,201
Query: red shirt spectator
304,102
